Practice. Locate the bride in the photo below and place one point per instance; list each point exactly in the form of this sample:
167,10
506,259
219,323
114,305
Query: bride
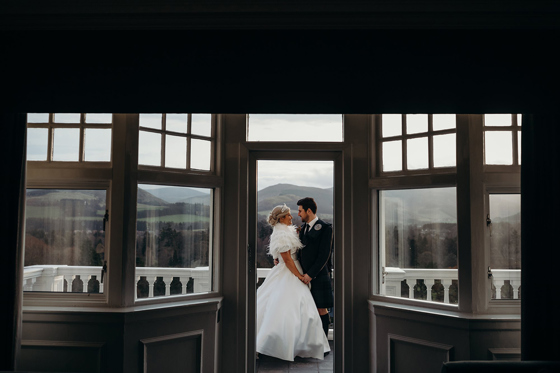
288,323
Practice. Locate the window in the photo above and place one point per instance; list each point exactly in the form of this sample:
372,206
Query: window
173,240
418,244
69,137
505,245
176,141
64,240
295,127
502,139
74,190
415,142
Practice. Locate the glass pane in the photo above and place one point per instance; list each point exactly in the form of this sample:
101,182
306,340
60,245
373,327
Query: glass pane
151,120
38,118
497,120
443,121
417,153
498,148
201,124
175,152
173,241
445,150
64,240
176,122
295,127
519,117
416,123
518,147
392,156
67,118
149,148
97,145
37,144
99,118
505,245
418,241
66,146
200,154
391,125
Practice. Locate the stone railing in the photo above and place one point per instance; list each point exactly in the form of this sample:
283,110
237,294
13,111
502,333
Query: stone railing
86,279
422,283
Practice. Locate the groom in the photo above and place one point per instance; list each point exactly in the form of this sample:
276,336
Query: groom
315,257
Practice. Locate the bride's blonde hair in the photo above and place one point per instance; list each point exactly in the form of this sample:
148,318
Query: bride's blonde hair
278,212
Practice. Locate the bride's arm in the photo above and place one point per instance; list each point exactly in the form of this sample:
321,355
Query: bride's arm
290,264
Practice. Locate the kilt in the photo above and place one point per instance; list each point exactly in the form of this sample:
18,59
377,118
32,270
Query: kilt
321,290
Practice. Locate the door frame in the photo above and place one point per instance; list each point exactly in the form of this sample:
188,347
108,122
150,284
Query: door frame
296,152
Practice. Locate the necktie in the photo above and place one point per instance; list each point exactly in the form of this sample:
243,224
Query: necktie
306,228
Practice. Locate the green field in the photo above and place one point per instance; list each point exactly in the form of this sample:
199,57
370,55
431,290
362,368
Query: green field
57,213
178,218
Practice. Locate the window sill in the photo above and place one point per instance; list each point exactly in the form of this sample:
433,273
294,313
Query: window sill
196,305
440,311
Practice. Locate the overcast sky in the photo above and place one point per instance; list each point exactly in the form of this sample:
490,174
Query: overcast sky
317,174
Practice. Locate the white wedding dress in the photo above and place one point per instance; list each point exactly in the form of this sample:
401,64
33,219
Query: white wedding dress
288,323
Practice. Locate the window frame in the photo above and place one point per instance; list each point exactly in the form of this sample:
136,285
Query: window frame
51,125
212,179
189,137
509,306
470,132
404,137
516,130
119,178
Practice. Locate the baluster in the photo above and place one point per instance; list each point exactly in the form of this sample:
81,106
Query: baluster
446,284
429,284
136,292
168,285
184,281
151,285
85,283
68,279
411,289
498,284
515,285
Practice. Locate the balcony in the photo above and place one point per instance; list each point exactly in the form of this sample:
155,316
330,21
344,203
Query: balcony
414,283
408,283
87,279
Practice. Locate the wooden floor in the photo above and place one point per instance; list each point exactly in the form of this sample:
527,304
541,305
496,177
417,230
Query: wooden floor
267,364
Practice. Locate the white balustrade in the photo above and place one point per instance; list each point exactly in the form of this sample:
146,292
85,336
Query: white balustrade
51,278
393,278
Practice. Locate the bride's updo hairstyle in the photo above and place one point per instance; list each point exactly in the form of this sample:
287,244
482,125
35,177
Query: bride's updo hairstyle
278,212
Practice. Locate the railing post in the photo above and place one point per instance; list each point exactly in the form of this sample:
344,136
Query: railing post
136,287
515,285
429,288
68,287
168,286
85,283
184,281
446,284
498,284
151,286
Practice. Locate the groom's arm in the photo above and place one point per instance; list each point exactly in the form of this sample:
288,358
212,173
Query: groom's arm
323,252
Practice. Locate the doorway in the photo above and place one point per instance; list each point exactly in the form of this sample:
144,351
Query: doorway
285,178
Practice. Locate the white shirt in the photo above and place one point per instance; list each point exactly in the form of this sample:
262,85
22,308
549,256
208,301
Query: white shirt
312,222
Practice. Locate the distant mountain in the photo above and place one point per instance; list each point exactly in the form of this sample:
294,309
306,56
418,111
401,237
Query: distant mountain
147,198
423,205
289,194
175,194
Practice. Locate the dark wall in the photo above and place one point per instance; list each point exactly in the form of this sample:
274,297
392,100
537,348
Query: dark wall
345,71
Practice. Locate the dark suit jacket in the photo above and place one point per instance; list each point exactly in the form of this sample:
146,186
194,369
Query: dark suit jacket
315,257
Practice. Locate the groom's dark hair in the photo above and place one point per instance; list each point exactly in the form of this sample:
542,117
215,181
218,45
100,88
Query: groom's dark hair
308,203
